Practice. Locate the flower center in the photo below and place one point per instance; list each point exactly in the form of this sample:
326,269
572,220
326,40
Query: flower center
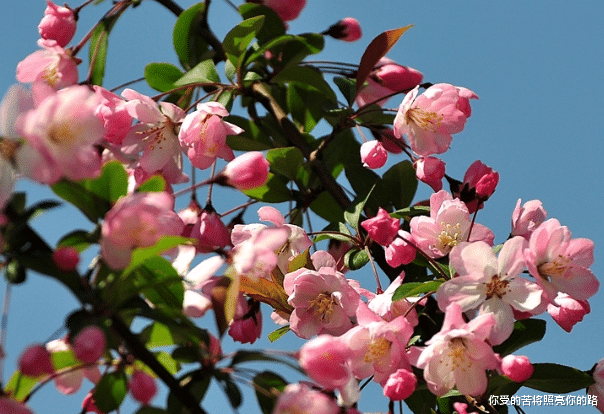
497,287
425,120
377,348
158,134
51,74
61,134
457,355
555,268
322,306
449,235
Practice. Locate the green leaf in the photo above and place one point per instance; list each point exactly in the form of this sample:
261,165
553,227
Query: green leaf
239,38
352,215
80,239
112,184
268,382
160,283
502,385
97,53
305,105
273,191
348,87
326,207
189,44
111,391
356,259
232,392
286,161
290,49
306,75
401,182
526,331
39,208
168,362
64,359
142,254
411,212
91,205
161,76
253,138
278,333
421,401
203,72
273,25
555,379
243,356
416,288
20,385
153,184
157,335
376,50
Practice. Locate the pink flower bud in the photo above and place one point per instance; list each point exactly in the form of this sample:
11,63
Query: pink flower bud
567,311
8,405
382,228
35,361
142,387
210,232
348,29
213,352
247,171
527,218
324,359
247,324
89,405
400,252
460,408
373,154
517,367
89,344
387,78
431,171
66,258
58,24
400,385
478,185
286,9
390,142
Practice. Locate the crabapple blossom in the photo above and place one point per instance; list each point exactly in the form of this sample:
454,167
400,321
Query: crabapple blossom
388,78
89,404
597,388
113,113
449,224
429,120
52,66
517,367
338,249
203,135
383,305
526,218
286,9
247,171
373,154
11,406
348,29
560,263
89,344
458,355
142,387
300,398
491,284
400,385
325,361
390,143
137,220
478,185
35,361
382,228
246,326
66,258
58,24
567,311
199,283
323,302
430,170
400,252
71,381
206,227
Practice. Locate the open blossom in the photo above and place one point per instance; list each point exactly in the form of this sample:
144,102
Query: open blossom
58,24
560,263
373,154
567,311
431,171
387,78
526,218
479,183
300,398
490,284
429,120
458,355
382,228
449,224
114,115
137,220
203,135
199,283
52,65
383,305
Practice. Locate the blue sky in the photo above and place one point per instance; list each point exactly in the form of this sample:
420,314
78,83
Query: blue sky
536,66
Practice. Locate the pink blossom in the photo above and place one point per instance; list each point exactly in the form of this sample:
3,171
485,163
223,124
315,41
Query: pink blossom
205,226
247,171
89,344
137,220
286,9
323,302
203,135
383,305
199,283
458,355
373,154
89,404
58,24
527,218
142,387
431,171
338,249
391,143
400,385
246,326
53,66
348,29
382,228
325,360
429,120
559,263
478,185
449,224
35,361
597,389
70,381
300,398
113,113
567,311
388,78
491,284
11,406
66,258
517,367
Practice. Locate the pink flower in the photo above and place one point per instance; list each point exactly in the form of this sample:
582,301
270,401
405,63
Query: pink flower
66,258
89,404
113,113
247,171
246,326
199,283
491,284
478,185
449,224
62,136
348,29
323,302
388,78
387,309
325,360
286,9
373,154
382,228
429,120
527,218
400,252
53,66
142,387
35,361
89,344
71,381
567,311
10,406
458,355
300,398
58,24
518,368
560,263
431,171
137,220
597,389
203,135
338,249
400,385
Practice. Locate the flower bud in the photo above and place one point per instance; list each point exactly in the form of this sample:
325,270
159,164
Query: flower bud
431,171
247,324
58,24
286,9
400,385
247,171
89,405
35,361
8,405
142,387
567,311
89,344
66,258
382,228
348,29
517,367
373,154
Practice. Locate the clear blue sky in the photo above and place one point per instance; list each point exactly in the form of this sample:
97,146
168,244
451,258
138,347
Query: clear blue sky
536,66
